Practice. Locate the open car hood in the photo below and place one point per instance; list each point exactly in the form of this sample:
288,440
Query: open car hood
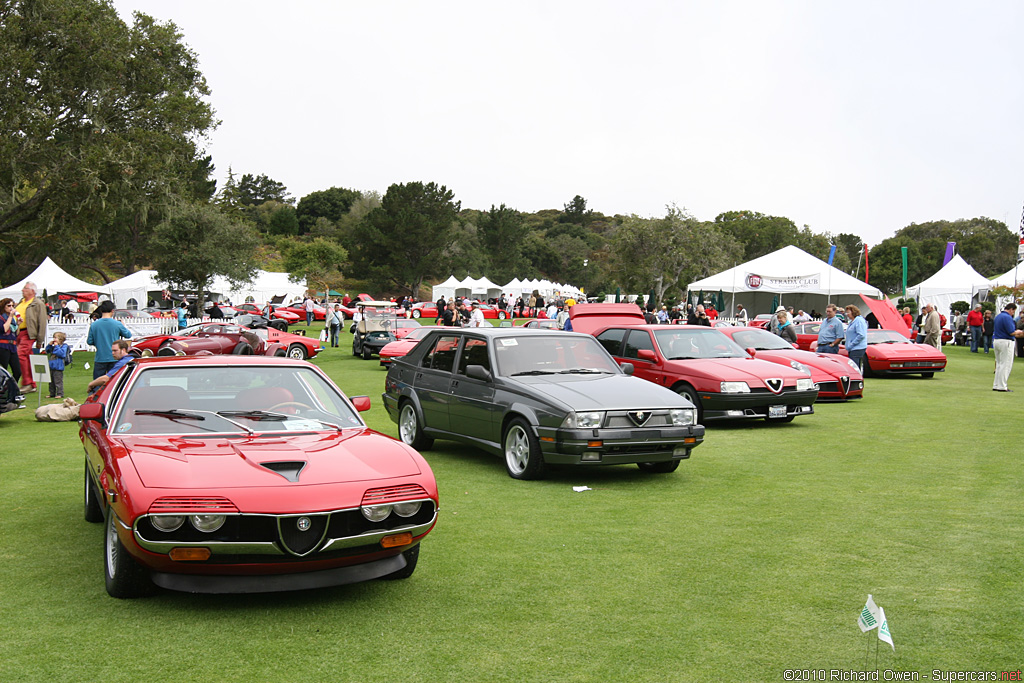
209,462
887,315
588,318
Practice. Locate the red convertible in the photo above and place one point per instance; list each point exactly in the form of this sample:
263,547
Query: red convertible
221,338
891,353
246,475
837,378
276,311
701,363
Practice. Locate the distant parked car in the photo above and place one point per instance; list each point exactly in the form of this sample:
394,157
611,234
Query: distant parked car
123,313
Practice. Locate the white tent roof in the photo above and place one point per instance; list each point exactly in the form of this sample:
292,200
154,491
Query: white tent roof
788,270
955,281
51,277
1010,278
144,285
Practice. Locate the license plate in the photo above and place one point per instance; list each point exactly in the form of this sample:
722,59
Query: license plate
776,411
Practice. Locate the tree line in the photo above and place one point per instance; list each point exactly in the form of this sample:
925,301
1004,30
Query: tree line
103,166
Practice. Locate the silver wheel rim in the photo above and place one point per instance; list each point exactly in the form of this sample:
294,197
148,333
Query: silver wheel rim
407,425
517,449
296,352
111,546
415,314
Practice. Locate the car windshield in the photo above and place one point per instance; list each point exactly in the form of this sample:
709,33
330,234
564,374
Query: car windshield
687,344
210,399
523,355
886,337
418,333
760,340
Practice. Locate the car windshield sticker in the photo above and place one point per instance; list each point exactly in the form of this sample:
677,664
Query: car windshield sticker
302,425
124,427
509,342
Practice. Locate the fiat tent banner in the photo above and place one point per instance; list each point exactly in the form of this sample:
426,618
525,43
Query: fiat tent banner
783,283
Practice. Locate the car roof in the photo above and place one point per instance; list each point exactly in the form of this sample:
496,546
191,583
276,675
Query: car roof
219,360
489,331
377,304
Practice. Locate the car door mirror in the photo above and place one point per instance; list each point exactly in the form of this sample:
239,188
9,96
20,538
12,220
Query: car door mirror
646,354
478,372
751,350
627,368
91,411
361,403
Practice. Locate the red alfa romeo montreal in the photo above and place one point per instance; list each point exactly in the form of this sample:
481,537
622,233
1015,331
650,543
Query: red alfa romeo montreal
243,474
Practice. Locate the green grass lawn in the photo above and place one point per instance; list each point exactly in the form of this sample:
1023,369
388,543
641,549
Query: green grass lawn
754,557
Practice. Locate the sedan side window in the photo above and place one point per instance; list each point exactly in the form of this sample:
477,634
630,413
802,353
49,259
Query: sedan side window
474,352
611,340
638,339
442,356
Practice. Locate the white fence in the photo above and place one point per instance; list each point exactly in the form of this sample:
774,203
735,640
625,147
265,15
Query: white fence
78,332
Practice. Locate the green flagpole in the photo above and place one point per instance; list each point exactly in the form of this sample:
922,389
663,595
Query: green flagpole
904,250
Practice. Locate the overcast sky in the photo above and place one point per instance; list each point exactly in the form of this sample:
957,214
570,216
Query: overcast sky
847,117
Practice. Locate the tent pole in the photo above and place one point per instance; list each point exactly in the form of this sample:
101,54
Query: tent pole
860,257
733,304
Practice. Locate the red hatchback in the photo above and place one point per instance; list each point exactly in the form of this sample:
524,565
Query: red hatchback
836,377
246,475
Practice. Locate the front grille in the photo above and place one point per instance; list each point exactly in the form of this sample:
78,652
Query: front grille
300,542
828,387
638,448
620,420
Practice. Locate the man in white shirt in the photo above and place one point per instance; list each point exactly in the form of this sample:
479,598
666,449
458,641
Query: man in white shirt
476,316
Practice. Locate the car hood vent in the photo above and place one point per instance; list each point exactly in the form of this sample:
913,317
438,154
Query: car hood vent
288,469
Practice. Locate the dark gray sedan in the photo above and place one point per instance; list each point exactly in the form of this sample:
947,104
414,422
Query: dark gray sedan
536,398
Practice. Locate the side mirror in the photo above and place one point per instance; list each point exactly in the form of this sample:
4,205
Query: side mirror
646,354
478,372
751,351
627,368
361,403
91,411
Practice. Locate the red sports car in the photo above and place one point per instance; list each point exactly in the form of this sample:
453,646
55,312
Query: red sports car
890,353
424,309
761,321
837,378
246,475
228,337
404,345
807,335
402,327
701,363
276,311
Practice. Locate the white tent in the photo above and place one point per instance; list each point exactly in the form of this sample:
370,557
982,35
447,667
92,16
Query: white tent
446,289
791,274
137,289
52,278
1011,278
955,281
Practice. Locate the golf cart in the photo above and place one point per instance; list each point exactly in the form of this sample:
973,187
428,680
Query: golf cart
376,329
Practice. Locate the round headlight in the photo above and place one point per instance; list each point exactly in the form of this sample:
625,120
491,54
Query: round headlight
376,513
207,523
166,523
407,509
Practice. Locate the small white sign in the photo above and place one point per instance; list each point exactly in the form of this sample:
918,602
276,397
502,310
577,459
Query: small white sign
40,367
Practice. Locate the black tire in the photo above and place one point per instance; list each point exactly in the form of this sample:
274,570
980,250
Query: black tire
243,349
367,353
659,467
523,459
410,427
165,351
279,325
93,507
355,349
416,313
280,353
691,393
124,577
297,351
927,375
412,557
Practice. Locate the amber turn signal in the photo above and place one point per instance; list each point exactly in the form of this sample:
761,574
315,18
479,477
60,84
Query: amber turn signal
190,554
396,540
595,444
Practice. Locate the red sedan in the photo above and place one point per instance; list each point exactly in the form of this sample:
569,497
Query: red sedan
220,338
246,475
837,378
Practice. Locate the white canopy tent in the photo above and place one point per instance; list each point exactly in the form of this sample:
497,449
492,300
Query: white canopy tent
483,288
1011,278
791,274
955,281
446,289
52,278
139,288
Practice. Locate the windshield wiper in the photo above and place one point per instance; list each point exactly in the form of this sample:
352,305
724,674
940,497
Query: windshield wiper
267,415
171,413
684,357
533,372
582,371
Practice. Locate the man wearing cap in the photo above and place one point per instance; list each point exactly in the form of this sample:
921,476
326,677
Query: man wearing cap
476,316
1003,335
